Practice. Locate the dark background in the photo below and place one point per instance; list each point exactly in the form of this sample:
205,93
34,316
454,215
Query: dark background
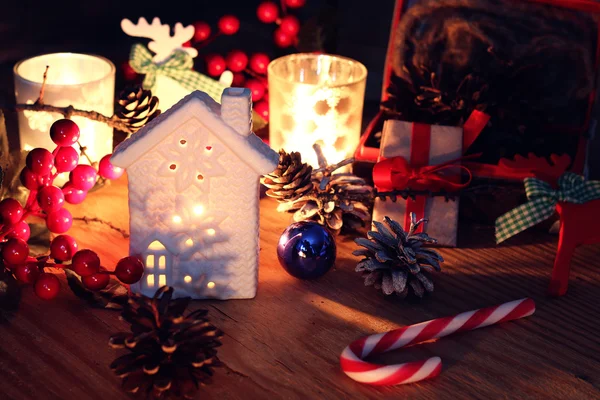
354,28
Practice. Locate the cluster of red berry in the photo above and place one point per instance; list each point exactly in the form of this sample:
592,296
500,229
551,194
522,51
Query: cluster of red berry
46,200
286,34
42,167
249,72
86,263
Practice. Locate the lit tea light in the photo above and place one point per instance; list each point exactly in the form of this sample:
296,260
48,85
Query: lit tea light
210,285
211,232
187,279
177,219
316,98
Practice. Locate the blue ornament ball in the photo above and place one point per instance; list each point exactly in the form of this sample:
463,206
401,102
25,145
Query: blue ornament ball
306,250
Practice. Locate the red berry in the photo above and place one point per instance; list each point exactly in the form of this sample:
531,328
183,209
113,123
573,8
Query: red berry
129,269
50,198
262,108
238,80
237,60
27,273
66,159
83,177
295,3
96,281
29,179
73,195
59,221
85,262
63,247
215,64
128,72
290,25
21,230
267,12
64,132
11,211
107,170
257,88
283,39
45,180
201,31
229,24
47,286
40,161
15,251
259,63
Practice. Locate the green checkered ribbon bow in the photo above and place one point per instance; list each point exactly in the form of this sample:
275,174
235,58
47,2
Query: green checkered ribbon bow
572,188
178,67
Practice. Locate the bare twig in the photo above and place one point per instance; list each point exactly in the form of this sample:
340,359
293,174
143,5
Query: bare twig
87,220
40,99
70,111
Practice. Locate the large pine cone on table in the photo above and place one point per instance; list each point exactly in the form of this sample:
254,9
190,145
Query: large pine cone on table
169,354
396,261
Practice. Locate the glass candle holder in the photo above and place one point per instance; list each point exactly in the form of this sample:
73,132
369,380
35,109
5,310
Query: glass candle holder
84,81
316,98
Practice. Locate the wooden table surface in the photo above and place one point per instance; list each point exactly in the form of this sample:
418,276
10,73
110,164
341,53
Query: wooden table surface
286,342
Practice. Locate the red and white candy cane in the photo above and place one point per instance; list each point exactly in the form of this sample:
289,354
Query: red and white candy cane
352,357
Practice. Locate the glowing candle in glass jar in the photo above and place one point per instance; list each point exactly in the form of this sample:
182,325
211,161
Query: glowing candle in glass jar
84,81
316,98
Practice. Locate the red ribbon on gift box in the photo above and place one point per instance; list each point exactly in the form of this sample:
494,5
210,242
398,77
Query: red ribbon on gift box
396,173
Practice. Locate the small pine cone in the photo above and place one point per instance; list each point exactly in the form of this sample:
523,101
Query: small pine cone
136,107
168,354
291,180
395,261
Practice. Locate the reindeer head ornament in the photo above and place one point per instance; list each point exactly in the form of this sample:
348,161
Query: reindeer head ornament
162,44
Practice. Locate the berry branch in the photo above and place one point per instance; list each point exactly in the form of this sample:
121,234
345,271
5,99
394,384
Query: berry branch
46,201
70,111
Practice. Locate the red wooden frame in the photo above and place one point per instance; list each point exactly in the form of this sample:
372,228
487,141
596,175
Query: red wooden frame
370,154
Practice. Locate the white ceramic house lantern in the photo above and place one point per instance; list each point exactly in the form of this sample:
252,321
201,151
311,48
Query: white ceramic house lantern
193,196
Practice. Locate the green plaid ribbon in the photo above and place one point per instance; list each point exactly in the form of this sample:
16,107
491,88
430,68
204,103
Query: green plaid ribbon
178,67
572,188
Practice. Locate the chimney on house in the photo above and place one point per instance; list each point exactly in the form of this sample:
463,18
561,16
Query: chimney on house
236,109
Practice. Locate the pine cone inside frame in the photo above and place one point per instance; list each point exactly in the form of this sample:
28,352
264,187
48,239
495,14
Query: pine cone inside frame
169,354
291,180
395,260
337,200
136,107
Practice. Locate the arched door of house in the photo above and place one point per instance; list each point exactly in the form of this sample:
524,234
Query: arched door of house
158,263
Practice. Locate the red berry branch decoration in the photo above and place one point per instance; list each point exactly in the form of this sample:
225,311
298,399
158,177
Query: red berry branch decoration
46,200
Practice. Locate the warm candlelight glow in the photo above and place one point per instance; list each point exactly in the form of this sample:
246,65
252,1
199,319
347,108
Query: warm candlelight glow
210,232
187,279
198,209
210,285
177,219
316,99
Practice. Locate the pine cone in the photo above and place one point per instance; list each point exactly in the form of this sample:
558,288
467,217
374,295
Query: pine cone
169,354
136,107
291,180
338,200
396,261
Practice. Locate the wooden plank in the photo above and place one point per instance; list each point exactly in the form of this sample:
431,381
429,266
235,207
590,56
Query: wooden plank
286,342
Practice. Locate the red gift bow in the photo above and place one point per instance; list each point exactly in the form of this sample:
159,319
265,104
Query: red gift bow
396,173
